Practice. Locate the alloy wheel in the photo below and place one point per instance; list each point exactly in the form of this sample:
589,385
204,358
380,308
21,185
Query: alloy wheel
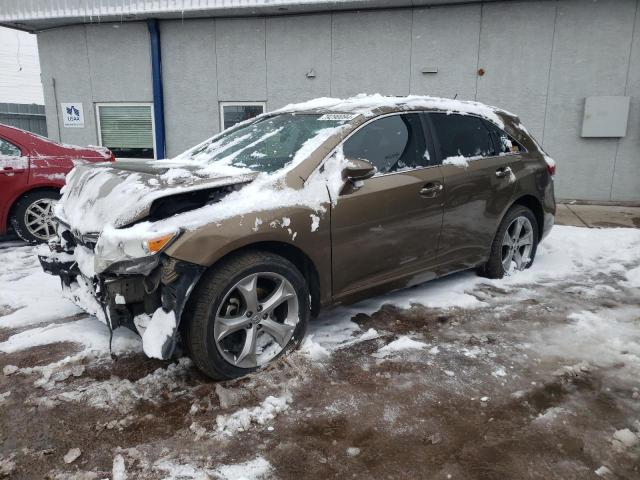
39,219
256,319
517,245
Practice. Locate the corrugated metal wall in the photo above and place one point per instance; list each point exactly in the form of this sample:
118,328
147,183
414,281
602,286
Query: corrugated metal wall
27,117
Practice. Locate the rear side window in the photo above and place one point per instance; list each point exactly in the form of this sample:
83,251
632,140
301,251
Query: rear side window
503,142
391,144
8,149
462,136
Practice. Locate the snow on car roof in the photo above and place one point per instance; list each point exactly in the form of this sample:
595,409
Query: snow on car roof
371,105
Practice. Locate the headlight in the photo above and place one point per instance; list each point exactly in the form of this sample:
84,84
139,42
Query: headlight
127,248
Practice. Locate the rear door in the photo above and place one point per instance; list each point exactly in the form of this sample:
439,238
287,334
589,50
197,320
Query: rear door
479,180
388,227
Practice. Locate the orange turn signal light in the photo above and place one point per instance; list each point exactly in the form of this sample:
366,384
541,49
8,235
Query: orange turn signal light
154,245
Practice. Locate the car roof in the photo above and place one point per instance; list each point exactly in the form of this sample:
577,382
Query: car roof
373,105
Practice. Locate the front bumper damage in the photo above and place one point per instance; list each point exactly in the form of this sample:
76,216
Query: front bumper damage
149,301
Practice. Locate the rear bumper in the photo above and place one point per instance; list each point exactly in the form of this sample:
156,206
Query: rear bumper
129,300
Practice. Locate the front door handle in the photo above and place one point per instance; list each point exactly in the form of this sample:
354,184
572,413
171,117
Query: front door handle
9,171
503,172
431,190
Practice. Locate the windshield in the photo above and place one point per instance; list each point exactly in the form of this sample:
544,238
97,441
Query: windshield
265,145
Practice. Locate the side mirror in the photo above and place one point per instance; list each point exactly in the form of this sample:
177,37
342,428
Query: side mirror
358,170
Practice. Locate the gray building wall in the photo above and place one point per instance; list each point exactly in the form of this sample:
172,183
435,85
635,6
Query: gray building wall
541,59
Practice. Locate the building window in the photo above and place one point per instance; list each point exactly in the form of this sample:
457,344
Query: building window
236,112
126,129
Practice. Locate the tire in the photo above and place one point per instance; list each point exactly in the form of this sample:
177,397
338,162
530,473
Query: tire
28,209
221,302
500,250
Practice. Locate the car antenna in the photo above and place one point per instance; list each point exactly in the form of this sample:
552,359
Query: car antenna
455,96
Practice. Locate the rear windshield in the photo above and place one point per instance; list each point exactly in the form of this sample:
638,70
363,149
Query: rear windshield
266,145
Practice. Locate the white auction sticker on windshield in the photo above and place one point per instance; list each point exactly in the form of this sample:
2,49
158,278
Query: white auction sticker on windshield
338,116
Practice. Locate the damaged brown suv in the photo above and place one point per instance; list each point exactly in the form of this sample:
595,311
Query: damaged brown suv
233,245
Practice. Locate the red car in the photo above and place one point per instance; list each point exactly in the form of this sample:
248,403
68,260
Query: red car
32,171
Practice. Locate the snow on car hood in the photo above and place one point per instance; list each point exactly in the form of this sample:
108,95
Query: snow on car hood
122,193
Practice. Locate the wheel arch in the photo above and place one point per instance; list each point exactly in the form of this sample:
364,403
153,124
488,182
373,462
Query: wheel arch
535,205
292,253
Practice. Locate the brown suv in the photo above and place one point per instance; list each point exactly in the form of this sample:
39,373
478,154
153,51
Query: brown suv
233,245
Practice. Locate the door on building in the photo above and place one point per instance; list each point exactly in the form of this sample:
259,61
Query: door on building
388,227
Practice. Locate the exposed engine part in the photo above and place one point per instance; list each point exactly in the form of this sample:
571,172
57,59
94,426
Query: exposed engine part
172,205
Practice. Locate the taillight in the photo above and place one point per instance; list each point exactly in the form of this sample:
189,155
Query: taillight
112,158
551,169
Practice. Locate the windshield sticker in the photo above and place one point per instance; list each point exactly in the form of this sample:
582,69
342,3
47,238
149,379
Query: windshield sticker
338,116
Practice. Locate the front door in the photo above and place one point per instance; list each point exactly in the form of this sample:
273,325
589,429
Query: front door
388,227
14,169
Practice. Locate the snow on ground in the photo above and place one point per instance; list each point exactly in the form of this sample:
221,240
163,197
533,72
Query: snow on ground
20,304
551,352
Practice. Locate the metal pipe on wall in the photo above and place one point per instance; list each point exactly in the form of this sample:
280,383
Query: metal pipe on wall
158,96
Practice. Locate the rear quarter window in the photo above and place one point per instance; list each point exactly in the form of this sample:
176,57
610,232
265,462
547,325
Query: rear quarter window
503,142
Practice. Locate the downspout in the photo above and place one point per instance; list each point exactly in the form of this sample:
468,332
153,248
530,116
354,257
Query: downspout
156,77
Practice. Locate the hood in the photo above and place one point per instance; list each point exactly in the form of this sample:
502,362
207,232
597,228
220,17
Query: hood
122,193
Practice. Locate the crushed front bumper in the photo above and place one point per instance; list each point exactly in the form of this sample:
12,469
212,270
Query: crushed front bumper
129,300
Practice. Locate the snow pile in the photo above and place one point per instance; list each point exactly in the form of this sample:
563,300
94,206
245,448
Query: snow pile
460,160
124,395
403,343
607,339
27,293
88,332
624,439
315,222
251,470
119,471
160,329
256,469
241,420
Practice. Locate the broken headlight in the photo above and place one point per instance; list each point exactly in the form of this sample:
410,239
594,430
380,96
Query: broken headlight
122,251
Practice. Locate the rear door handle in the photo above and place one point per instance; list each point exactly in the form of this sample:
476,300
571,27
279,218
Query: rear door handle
431,190
503,172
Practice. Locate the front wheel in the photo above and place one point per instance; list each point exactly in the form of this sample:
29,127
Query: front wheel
515,244
246,311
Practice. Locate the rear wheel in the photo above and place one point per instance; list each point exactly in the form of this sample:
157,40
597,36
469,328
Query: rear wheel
33,219
515,244
245,313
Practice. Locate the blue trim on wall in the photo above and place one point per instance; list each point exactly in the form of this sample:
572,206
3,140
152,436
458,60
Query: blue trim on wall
156,77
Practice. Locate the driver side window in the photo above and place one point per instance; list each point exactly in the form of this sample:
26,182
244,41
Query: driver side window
391,143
